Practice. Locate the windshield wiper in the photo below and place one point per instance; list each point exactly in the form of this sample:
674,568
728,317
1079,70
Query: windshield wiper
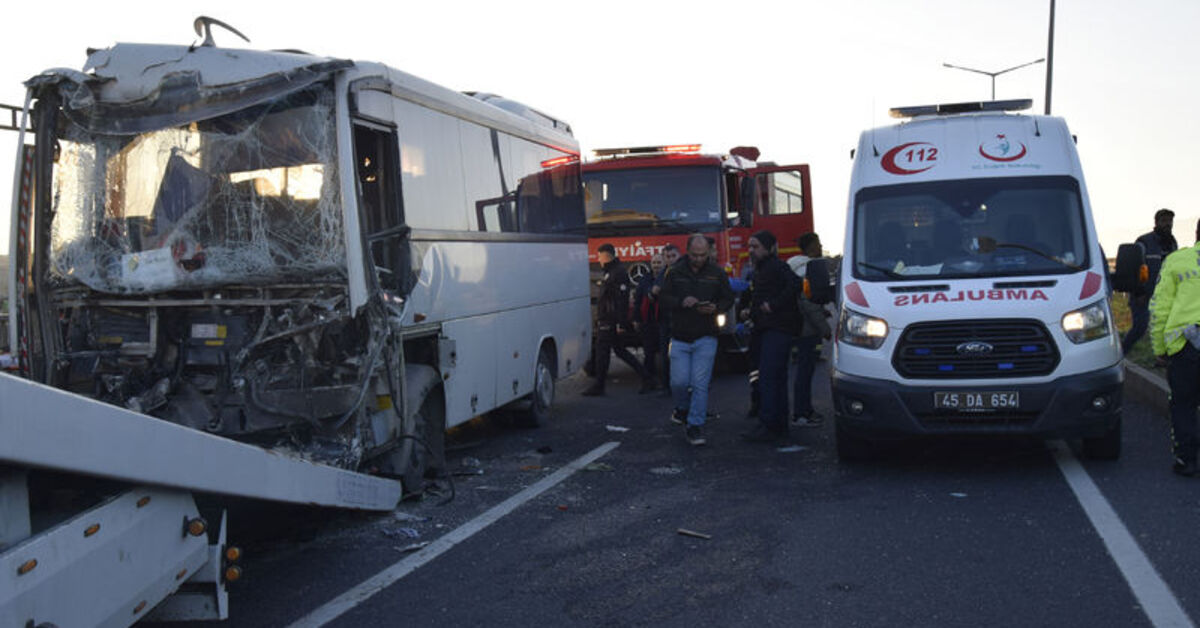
1039,253
890,273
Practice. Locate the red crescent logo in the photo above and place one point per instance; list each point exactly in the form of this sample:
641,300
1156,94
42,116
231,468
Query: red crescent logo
994,158
890,165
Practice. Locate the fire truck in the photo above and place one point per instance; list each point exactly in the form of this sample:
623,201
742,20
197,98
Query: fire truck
642,198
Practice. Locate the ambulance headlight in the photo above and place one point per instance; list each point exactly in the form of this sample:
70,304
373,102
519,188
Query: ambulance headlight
1086,324
862,330
721,318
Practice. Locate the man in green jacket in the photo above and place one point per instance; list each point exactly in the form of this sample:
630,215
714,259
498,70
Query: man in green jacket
694,291
1175,332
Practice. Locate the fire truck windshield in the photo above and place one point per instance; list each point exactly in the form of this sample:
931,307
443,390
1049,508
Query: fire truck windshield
665,199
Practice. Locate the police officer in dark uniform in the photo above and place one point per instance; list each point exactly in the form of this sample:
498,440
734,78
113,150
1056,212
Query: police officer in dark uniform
1158,244
612,315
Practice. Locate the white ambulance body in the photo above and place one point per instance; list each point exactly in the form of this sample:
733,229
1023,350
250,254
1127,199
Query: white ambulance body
974,293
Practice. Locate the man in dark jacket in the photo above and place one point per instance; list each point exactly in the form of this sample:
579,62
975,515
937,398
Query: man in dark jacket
694,291
1158,244
612,315
776,317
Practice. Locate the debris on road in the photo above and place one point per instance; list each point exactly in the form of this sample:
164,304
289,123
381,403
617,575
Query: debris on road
471,463
790,449
666,470
532,467
958,494
411,548
562,507
402,533
598,466
405,516
616,428
462,472
693,533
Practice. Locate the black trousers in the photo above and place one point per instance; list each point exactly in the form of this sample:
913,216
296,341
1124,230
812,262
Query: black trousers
1183,375
606,345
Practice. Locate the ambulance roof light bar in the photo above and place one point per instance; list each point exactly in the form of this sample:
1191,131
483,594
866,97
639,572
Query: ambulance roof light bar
961,107
642,150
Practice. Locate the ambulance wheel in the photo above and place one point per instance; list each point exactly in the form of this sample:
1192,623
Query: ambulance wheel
1105,447
852,448
541,399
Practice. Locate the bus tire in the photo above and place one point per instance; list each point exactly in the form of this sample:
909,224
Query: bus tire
541,400
1106,446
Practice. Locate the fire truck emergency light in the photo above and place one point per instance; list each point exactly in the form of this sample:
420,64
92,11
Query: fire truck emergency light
639,150
558,161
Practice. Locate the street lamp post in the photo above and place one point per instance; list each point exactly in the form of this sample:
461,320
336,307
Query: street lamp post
993,74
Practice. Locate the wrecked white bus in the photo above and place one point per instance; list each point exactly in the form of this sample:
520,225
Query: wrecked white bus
329,256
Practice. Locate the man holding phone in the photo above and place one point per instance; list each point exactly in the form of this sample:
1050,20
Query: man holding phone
694,293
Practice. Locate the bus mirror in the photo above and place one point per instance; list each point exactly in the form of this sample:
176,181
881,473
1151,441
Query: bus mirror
1129,274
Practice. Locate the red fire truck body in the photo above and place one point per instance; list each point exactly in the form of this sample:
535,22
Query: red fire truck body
641,199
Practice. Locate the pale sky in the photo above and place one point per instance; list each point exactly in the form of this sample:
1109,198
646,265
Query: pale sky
799,79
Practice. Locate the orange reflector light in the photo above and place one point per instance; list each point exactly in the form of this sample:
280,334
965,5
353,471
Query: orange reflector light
27,566
181,574
233,553
807,290
137,609
197,526
90,530
681,148
143,501
233,573
1144,274
558,161
418,317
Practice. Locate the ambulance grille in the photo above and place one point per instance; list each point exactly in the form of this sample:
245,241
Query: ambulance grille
987,348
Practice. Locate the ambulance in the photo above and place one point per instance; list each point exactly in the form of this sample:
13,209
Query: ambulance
974,295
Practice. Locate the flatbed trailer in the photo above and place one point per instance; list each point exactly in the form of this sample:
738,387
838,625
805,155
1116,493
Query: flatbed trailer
144,551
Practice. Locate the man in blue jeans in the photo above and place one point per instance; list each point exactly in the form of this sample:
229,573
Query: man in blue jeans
694,291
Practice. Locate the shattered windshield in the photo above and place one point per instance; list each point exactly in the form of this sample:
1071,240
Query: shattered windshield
970,228
679,197
247,197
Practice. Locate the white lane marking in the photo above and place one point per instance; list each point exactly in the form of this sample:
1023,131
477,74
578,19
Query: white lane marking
363,591
1160,605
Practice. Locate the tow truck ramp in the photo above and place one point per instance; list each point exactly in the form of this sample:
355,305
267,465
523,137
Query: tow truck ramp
146,549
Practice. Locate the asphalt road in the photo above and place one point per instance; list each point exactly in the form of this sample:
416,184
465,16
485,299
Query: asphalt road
931,534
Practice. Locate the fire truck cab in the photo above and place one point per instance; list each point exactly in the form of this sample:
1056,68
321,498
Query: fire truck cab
640,199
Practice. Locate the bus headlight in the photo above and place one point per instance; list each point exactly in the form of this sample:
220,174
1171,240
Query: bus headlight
721,318
1086,324
862,330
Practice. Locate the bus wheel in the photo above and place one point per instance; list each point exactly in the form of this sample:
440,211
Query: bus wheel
422,450
542,397
1106,446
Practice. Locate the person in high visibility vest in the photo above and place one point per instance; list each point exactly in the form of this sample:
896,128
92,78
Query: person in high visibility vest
1175,336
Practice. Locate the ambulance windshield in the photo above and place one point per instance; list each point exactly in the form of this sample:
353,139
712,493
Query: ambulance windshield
983,227
670,199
